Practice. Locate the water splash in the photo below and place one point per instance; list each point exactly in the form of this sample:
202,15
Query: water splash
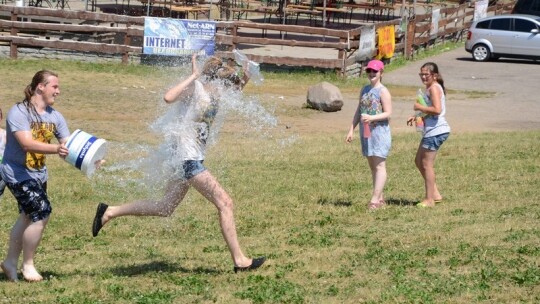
150,167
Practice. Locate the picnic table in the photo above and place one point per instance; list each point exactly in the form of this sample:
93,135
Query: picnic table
184,11
373,10
311,11
238,9
291,10
61,4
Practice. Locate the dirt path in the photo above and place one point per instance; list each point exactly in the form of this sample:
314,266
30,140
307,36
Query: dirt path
509,99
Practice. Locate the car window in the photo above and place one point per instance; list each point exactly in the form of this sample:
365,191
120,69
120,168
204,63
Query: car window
524,26
483,24
502,24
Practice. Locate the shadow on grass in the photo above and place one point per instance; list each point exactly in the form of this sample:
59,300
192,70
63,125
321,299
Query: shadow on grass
400,202
345,203
135,270
337,203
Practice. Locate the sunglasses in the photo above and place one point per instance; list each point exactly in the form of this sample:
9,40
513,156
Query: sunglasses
424,74
371,71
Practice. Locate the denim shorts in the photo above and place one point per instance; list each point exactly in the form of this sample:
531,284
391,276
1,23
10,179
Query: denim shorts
192,168
31,196
433,143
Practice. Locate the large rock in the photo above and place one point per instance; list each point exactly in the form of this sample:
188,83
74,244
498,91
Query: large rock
325,96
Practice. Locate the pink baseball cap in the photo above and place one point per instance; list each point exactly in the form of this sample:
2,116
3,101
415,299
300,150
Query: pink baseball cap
376,65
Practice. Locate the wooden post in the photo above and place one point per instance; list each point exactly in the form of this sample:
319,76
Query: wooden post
341,55
409,39
234,33
127,42
13,32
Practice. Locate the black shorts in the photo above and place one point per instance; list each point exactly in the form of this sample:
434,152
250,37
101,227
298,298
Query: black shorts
31,196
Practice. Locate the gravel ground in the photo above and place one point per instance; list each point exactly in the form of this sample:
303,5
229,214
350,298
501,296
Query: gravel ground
513,104
507,96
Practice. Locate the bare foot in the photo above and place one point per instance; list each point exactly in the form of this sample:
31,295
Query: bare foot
99,163
376,205
30,274
10,271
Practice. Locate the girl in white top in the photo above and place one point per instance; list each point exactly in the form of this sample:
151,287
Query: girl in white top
199,95
436,130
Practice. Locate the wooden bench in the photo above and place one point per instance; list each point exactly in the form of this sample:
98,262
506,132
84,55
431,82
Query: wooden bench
302,11
184,11
242,12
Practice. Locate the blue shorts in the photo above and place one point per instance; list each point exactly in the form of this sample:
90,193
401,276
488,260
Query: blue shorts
433,143
31,196
192,168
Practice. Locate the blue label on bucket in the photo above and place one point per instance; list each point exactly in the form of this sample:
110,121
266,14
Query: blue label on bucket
78,145
84,149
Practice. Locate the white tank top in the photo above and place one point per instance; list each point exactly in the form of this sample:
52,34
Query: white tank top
436,124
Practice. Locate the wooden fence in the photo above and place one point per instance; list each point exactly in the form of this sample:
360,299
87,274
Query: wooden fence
84,31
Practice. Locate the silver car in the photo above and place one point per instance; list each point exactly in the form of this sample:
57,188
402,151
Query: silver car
514,36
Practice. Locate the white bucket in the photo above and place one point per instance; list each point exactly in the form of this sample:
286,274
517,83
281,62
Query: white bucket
19,3
84,151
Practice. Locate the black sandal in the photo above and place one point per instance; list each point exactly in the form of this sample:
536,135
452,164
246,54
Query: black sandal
97,225
255,263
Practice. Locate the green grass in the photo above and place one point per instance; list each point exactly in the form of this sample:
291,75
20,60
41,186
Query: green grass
300,200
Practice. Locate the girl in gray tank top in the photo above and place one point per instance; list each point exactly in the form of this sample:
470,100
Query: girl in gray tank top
436,130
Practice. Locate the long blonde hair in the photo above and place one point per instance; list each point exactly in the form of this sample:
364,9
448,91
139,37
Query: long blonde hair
215,68
41,77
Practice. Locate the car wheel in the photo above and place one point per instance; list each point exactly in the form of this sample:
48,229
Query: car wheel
480,52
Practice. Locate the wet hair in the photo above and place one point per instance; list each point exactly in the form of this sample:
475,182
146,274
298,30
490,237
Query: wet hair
41,77
434,69
215,68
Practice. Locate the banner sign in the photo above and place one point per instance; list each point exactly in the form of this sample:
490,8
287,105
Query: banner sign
367,43
435,18
177,37
480,9
387,42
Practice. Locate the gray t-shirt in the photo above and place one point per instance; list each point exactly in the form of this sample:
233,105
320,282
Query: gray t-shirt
18,165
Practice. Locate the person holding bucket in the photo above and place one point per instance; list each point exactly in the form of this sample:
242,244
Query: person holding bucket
31,125
198,95
373,115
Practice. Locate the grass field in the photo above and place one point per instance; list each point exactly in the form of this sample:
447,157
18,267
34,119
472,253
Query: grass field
300,200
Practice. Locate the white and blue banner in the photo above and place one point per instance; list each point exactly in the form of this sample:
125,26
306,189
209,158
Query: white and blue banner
178,37
480,9
366,47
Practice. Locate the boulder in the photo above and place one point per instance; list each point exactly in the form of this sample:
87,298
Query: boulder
325,97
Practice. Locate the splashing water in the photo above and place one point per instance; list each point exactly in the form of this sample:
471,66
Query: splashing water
150,167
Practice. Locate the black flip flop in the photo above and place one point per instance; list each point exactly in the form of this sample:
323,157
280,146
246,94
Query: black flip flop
96,226
255,263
